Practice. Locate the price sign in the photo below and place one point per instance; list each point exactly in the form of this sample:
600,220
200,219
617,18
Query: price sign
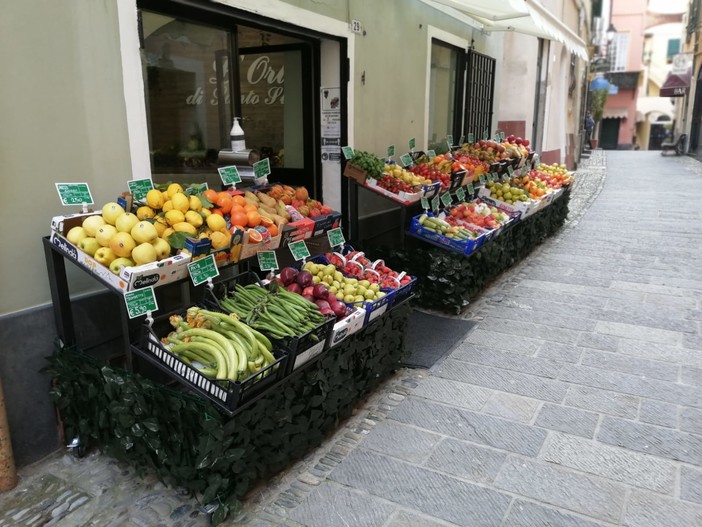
425,203
462,139
435,203
336,237
485,135
262,168
347,151
471,138
391,151
299,250
406,160
505,178
74,193
461,194
203,270
510,170
229,175
492,176
497,137
446,199
449,140
431,154
470,188
502,136
267,260
482,179
139,188
412,143
140,302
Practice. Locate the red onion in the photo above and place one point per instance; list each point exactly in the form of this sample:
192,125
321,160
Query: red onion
309,298
294,288
304,278
321,291
288,275
308,291
322,304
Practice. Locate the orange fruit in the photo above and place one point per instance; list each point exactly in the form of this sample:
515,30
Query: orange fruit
211,195
218,211
254,236
237,208
239,200
266,222
254,218
224,202
239,218
250,208
273,230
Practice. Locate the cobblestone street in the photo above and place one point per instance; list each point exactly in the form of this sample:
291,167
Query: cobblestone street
575,402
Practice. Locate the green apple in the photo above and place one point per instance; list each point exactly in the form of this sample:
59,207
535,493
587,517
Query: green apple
143,232
370,295
126,221
89,245
316,279
163,248
92,223
111,211
117,263
105,256
144,253
374,287
76,234
104,234
349,299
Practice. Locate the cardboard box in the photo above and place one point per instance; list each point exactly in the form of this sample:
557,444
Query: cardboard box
296,231
348,326
524,208
326,223
355,172
130,278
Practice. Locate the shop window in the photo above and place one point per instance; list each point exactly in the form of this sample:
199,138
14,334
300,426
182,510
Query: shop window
673,49
443,85
618,52
198,77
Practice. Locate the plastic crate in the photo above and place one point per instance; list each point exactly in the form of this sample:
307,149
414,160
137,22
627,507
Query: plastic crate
459,246
222,287
402,292
227,395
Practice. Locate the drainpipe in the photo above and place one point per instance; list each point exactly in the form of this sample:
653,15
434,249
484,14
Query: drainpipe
8,474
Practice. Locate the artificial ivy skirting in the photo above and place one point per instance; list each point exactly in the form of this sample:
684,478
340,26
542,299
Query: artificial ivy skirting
448,281
188,443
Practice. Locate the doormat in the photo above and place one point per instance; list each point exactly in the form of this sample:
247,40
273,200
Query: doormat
431,337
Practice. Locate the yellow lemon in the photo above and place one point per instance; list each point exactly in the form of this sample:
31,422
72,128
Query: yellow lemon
180,202
165,196
220,240
167,233
168,205
174,216
195,203
174,188
184,226
216,222
193,218
154,199
145,213
206,212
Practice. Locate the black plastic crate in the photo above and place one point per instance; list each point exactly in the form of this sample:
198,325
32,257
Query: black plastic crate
222,287
305,347
226,394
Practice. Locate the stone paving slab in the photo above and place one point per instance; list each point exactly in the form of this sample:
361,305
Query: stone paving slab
528,514
651,510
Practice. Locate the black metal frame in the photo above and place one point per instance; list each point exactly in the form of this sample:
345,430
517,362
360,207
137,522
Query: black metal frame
480,90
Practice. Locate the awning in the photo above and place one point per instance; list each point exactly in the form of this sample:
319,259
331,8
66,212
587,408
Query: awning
676,84
615,113
523,16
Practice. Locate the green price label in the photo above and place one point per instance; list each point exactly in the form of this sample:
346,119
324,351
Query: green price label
471,138
510,170
406,160
502,136
482,179
267,260
461,140
449,140
140,302
485,135
412,143
446,199
497,137
505,178
425,203
299,250
470,188
391,151
262,168
139,188
74,193
336,237
435,203
431,154
203,270
230,175
347,151
461,194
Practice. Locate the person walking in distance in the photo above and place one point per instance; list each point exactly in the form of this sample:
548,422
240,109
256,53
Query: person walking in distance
589,125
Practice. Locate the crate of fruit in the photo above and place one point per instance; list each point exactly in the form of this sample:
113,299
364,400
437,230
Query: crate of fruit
198,350
434,230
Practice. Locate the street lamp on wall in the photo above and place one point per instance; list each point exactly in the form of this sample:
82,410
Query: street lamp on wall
611,31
